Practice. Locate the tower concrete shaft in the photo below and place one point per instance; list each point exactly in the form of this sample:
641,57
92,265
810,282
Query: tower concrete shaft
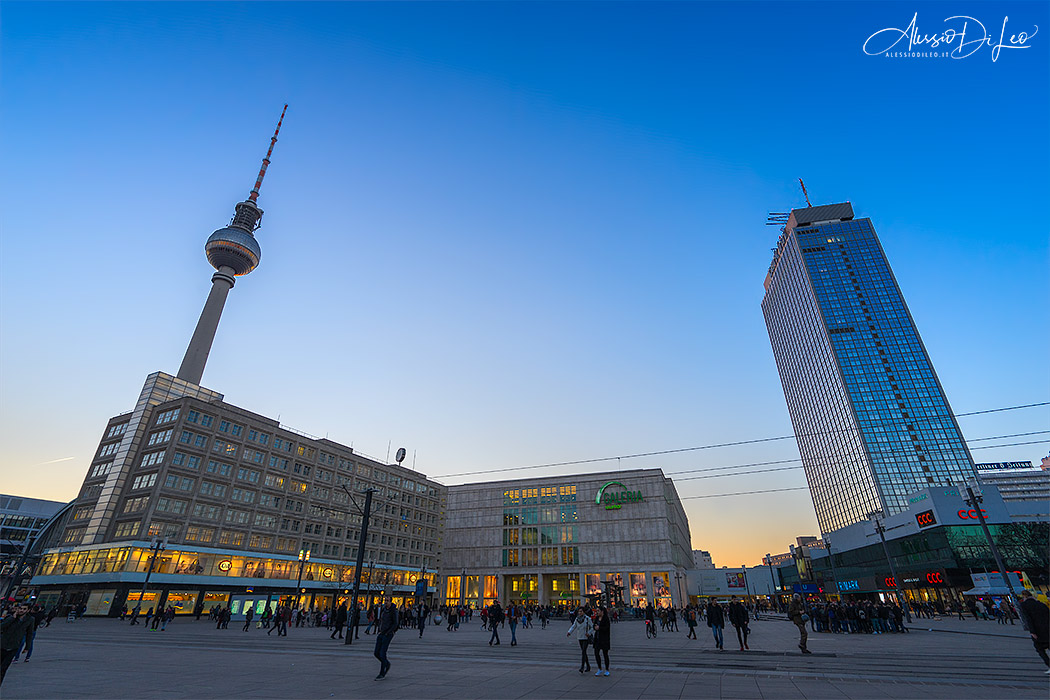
192,368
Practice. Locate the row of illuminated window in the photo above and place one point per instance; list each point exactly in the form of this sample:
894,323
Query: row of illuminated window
562,534
535,516
544,556
137,559
537,495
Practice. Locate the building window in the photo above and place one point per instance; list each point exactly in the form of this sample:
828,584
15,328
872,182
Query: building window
101,469
220,468
80,513
213,490
116,430
144,481
109,449
182,483
151,458
199,534
159,438
205,511
133,505
73,536
260,542
128,529
171,505
167,416
231,538
267,521
164,530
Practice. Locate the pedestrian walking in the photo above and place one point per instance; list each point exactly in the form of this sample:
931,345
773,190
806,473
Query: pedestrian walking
248,615
512,620
168,616
424,613
12,633
716,621
601,640
495,618
738,617
797,614
583,629
338,621
149,616
34,615
1036,618
388,624
690,620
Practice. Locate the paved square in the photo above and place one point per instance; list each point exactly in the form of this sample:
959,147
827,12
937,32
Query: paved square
104,658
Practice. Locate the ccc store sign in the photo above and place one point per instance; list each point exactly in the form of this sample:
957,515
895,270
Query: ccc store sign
934,578
972,514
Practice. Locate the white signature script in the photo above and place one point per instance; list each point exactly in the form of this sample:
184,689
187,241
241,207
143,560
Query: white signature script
965,44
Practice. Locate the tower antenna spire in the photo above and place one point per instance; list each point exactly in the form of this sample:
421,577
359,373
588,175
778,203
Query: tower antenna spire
804,193
266,161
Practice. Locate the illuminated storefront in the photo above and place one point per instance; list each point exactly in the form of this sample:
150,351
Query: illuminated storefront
563,540
109,576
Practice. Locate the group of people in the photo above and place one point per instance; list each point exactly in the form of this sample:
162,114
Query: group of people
159,619
18,629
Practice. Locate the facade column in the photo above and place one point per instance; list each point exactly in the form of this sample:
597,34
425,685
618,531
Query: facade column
541,589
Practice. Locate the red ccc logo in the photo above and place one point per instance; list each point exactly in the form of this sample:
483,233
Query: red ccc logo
964,514
934,578
926,518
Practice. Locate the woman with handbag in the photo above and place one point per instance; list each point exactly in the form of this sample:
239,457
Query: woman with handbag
584,630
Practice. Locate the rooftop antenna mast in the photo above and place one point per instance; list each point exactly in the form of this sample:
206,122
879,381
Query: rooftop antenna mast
266,161
804,193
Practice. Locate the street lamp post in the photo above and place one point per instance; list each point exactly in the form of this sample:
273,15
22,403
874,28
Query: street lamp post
157,545
304,556
772,581
747,586
355,610
881,529
831,558
678,582
974,501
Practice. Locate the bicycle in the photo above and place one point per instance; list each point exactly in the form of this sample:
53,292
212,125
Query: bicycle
650,630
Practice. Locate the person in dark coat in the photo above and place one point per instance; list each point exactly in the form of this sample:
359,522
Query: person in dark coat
339,621
738,618
388,624
495,618
601,640
716,620
1037,619
12,632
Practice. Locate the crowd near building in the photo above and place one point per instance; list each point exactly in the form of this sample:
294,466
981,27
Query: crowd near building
215,505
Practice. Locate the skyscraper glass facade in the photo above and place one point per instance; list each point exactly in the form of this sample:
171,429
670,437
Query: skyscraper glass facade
870,416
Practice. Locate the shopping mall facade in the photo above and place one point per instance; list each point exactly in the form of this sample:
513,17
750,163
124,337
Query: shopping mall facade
556,540
938,547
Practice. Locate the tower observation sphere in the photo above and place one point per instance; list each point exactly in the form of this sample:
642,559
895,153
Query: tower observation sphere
233,252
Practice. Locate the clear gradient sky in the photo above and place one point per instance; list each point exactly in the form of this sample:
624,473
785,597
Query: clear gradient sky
506,234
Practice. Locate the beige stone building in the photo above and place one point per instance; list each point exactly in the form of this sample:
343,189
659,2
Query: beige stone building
555,540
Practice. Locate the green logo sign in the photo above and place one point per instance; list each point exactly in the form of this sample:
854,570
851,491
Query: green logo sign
614,499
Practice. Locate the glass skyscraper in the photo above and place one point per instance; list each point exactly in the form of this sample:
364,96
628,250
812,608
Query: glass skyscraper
870,416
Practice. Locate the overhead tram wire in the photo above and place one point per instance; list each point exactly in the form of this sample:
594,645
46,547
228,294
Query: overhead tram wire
498,500
707,447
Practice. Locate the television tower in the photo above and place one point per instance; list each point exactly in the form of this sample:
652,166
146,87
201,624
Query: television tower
233,252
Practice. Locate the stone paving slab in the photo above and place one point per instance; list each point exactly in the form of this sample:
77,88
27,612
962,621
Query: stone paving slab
106,659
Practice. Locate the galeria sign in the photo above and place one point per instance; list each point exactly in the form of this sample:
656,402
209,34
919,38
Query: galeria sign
614,498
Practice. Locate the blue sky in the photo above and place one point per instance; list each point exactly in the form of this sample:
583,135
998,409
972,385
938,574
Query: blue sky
505,234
